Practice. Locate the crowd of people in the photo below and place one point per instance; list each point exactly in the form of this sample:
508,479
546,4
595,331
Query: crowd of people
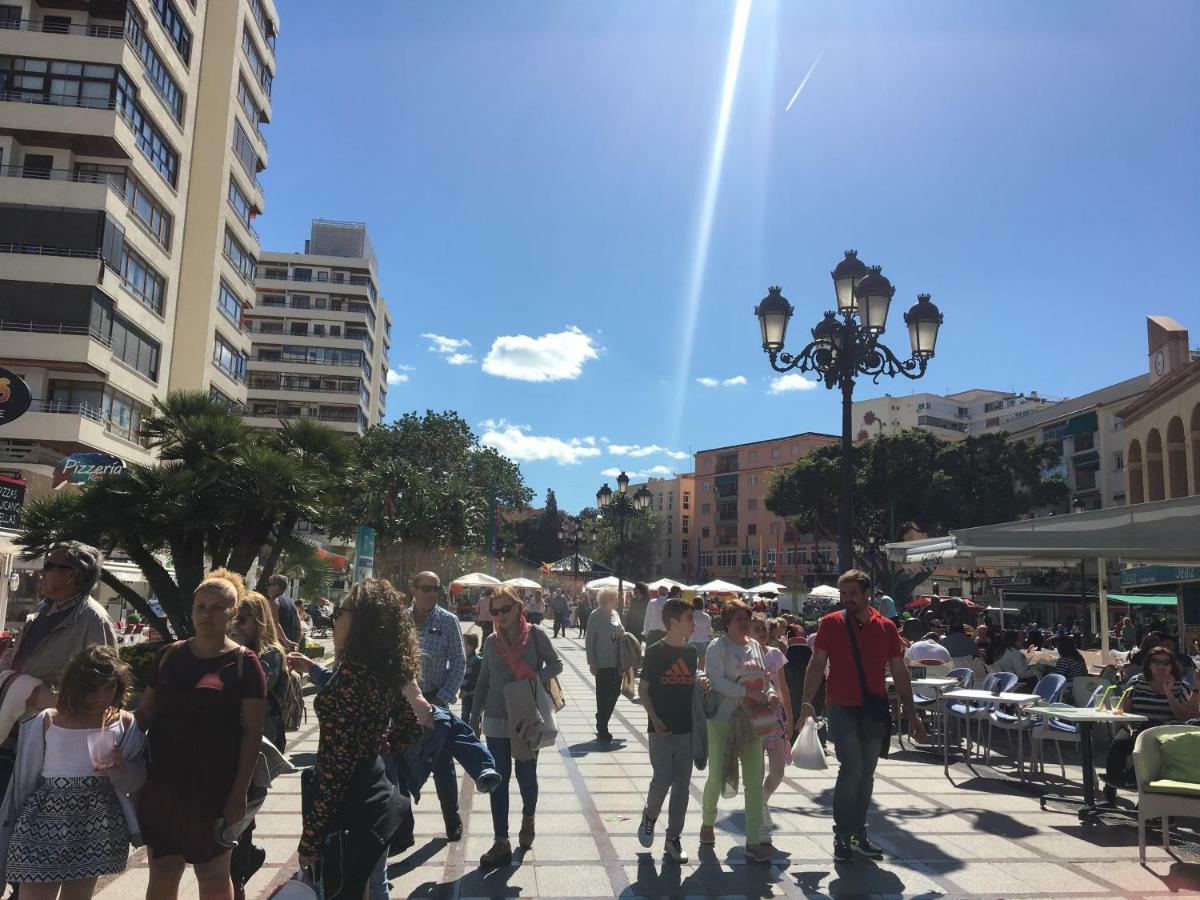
87,773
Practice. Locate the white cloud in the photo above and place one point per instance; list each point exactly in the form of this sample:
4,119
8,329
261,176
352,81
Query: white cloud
450,349
398,375
791,382
610,473
515,442
552,357
652,472
716,382
638,451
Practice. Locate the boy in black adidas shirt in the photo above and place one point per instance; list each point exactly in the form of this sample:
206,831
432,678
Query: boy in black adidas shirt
665,687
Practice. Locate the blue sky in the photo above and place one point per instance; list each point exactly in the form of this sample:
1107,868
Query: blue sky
534,176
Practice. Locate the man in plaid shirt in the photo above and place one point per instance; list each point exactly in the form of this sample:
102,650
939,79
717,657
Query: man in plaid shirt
443,665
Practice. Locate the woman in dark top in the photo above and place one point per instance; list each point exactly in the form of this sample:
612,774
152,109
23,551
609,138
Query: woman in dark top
203,712
351,809
1070,665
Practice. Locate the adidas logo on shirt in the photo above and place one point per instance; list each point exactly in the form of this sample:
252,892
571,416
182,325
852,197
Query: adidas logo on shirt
679,673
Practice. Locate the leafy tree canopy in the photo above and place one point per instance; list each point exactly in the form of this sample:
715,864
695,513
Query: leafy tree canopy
913,481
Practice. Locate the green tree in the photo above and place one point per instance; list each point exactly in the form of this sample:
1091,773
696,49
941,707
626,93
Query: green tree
914,482
641,537
222,495
429,489
544,545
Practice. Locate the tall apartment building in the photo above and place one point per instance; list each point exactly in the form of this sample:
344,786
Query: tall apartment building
733,534
321,333
671,501
115,128
951,417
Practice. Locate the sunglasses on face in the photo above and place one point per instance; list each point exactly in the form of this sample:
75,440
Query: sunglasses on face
502,610
49,566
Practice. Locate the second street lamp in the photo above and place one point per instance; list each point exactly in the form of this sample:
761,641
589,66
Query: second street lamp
621,505
845,344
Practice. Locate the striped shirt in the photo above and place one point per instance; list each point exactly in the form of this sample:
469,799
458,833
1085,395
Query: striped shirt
1070,667
1146,701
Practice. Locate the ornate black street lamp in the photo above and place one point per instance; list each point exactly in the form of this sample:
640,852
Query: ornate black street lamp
572,531
846,345
622,505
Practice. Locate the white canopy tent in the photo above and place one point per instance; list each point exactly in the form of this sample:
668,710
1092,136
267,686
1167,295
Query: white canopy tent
476,579
608,581
825,592
521,583
667,583
770,587
1163,531
721,587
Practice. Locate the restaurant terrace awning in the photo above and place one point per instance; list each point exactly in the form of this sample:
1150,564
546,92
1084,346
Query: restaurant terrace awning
1144,599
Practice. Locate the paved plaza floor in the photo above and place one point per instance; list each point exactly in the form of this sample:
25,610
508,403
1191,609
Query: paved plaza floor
978,834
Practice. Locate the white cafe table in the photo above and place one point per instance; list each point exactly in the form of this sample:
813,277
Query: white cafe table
1085,717
977,696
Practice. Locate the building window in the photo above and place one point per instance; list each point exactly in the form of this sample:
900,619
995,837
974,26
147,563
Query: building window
264,24
241,205
301,274
1118,460
260,70
228,359
706,559
172,23
752,529
240,257
249,106
122,416
244,150
150,140
727,559
687,500
683,549
156,72
752,480
148,211
229,304
57,82
140,278
684,524
776,453
134,347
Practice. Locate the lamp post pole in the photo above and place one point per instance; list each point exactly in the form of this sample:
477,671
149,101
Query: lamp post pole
621,505
846,345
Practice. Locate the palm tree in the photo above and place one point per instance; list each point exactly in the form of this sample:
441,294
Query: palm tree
222,495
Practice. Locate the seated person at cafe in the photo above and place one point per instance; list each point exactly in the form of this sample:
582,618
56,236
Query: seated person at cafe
957,643
1003,656
1071,663
926,651
1162,697
1187,665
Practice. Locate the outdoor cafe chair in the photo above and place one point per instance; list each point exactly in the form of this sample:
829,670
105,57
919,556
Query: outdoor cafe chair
929,704
997,682
1059,732
1083,688
1160,798
1049,688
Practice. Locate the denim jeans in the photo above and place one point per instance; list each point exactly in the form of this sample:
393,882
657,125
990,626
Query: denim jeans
526,780
857,741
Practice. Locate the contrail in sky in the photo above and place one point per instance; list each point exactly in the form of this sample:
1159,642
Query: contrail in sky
733,64
804,80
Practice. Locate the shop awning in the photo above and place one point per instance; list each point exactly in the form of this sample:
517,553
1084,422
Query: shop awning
1164,531
1144,599
1085,424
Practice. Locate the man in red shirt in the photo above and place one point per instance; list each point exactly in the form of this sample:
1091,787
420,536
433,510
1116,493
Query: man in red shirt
858,724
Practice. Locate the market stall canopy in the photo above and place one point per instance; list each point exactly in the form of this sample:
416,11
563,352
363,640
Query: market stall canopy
522,583
825,592
566,566
476,579
1166,530
1144,599
608,581
722,587
667,583
770,587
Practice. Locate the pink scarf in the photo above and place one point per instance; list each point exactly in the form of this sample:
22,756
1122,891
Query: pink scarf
513,653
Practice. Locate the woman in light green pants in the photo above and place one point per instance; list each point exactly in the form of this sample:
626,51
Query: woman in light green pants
734,664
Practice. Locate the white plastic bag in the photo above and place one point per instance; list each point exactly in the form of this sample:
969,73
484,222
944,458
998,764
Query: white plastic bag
807,752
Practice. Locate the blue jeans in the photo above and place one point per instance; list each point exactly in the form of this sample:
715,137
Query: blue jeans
857,741
526,780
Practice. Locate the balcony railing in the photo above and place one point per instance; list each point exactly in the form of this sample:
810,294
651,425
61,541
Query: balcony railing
100,31
114,181
47,250
57,99
59,328
61,407
257,385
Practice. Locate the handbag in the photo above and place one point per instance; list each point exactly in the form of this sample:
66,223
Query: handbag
875,707
545,707
301,886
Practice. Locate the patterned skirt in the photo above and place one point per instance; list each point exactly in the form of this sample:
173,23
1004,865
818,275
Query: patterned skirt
69,828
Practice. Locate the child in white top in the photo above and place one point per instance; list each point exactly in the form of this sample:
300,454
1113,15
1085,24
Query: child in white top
778,746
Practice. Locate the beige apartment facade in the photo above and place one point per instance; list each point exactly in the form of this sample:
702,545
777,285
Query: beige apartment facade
321,331
733,535
105,119
671,502
947,416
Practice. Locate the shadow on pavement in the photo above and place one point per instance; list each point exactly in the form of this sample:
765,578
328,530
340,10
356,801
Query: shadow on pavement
595,746
416,857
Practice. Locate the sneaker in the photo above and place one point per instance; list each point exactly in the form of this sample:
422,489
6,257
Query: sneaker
673,850
759,853
862,845
841,849
488,781
646,831
707,835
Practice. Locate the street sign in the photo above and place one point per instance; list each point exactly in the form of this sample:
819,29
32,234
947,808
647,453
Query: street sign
1144,576
364,553
12,498
14,396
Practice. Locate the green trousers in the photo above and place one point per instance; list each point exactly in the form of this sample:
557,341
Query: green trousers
751,758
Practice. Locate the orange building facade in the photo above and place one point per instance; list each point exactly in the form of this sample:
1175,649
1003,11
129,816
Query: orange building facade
731,534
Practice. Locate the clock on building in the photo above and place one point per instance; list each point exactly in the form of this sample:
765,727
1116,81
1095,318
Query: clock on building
1160,363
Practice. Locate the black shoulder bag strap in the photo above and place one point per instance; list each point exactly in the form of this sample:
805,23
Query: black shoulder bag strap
874,706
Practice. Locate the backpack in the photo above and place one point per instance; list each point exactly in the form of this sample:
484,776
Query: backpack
293,712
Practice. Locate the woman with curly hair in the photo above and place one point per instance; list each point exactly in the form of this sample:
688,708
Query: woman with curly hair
351,808
203,713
